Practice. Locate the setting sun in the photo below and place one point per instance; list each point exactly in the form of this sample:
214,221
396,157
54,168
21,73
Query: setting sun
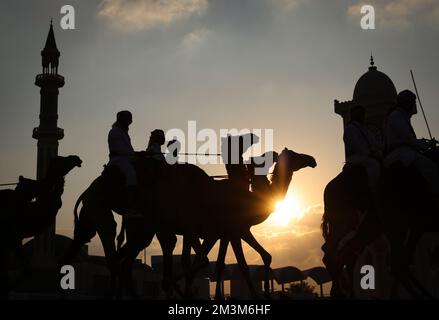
287,210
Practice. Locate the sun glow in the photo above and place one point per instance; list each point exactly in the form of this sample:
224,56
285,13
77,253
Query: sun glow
287,210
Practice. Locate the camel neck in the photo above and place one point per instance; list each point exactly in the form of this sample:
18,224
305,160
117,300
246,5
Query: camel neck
268,193
51,186
280,181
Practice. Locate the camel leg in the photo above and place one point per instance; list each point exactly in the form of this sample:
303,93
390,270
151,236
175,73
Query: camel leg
84,231
22,258
403,258
107,234
350,268
188,244
198,248
139,235
167,243
68,257
190,269
24,261
399,264
266,258
196,245
121,237
412,242
239,254
402,278
220,265
186,263
202,251
201,259
126,258
330,265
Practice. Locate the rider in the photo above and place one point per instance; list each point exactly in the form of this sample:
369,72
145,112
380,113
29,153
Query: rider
404,146
123,155
361,148
259,166
156,140
232,149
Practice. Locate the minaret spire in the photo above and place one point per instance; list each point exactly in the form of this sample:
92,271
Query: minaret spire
50,54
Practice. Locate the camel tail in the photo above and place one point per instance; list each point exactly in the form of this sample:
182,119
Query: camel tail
121,236
75,210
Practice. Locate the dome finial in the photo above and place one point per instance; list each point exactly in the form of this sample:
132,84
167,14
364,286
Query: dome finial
372,62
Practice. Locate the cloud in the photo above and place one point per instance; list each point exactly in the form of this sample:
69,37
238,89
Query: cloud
399,14
291,4
194,40
146,14
135,15
311,219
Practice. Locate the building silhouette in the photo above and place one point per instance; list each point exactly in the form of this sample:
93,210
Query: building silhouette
47,133
374,91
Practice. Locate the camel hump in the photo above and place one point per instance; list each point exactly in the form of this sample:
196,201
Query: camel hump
188,169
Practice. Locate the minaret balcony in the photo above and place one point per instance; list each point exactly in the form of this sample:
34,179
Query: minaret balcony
41,133
47,79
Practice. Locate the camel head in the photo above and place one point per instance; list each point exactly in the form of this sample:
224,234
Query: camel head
288,162
60,166
27,189
296,161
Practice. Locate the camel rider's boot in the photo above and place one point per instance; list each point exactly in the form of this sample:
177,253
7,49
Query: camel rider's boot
132,203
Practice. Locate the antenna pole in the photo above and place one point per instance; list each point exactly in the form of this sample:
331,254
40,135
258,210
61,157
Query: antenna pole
420,104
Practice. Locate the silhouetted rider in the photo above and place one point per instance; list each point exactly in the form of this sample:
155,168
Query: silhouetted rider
232,149
361,147
404,146
156,140
123,155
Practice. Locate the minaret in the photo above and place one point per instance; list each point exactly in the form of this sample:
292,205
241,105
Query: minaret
48,133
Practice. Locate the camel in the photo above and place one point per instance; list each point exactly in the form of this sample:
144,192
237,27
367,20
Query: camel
259,184
405,210
195,201
189,203
28,218
24,192
99,201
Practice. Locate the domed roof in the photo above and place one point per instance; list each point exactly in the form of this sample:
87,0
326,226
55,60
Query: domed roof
374,86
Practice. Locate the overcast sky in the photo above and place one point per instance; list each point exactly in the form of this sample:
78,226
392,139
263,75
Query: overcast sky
226,64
